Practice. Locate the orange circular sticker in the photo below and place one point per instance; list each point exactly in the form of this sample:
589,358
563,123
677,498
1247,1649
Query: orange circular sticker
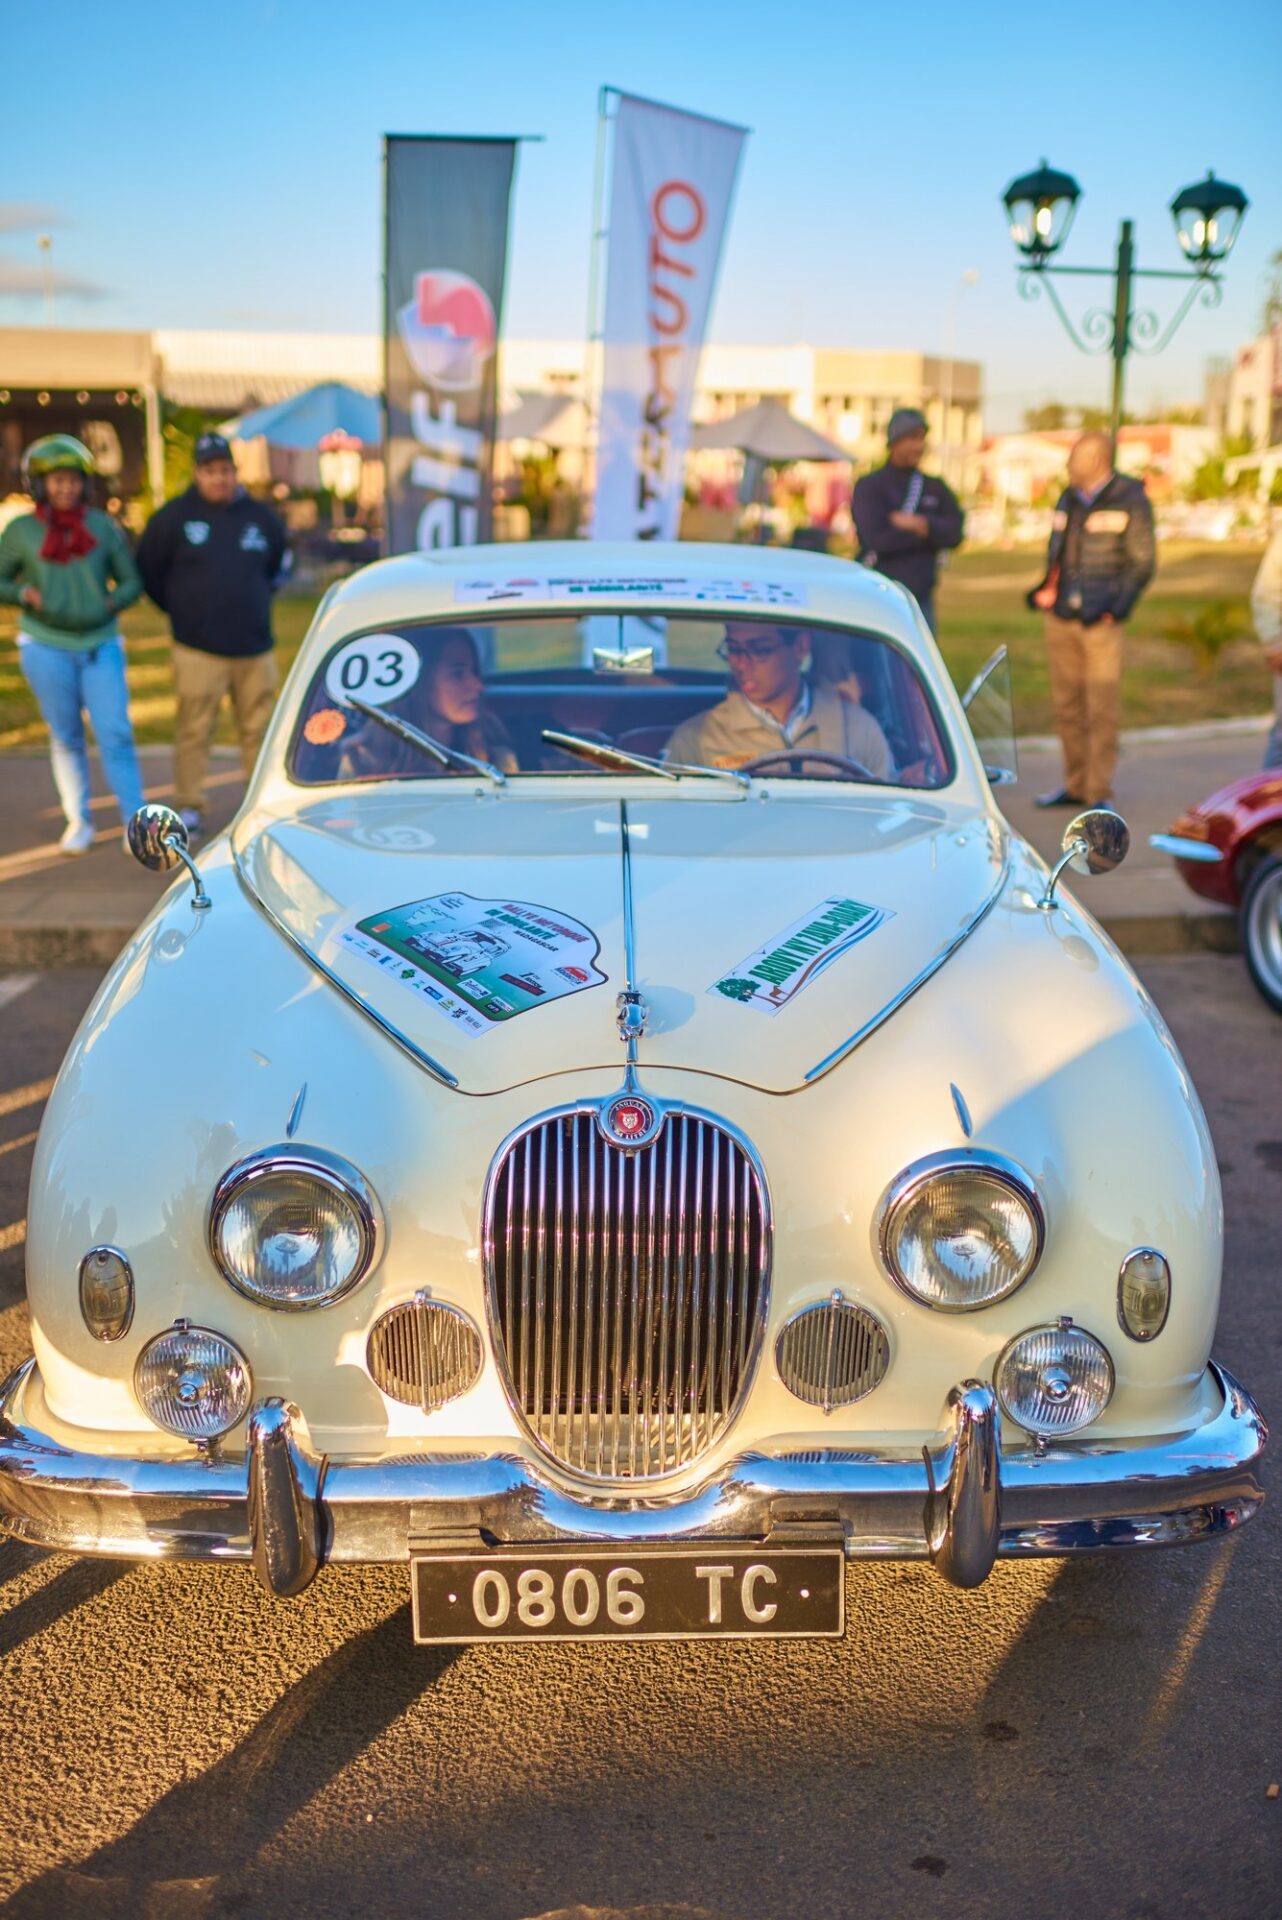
324,727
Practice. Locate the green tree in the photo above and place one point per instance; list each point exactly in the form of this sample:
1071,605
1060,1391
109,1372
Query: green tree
1210,482
1050,418
1212,628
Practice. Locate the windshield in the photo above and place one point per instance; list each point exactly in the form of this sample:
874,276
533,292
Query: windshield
696,691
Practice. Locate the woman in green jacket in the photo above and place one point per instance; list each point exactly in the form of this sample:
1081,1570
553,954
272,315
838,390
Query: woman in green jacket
69,570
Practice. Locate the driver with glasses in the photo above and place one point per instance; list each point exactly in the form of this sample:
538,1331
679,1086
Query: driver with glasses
774,707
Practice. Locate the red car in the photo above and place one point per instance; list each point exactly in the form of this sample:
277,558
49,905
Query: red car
1229,848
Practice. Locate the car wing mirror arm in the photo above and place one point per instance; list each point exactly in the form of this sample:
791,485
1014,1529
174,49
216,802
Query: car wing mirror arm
159,840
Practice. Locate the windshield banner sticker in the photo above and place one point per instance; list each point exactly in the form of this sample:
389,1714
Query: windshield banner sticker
769,978
753,593
480,961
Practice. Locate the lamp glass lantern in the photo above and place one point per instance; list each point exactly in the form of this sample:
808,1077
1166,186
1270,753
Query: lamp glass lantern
1207,217
1040,208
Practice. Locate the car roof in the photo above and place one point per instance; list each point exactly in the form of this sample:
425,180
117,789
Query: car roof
554,575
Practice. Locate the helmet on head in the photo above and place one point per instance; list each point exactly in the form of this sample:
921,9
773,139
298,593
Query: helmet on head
56,452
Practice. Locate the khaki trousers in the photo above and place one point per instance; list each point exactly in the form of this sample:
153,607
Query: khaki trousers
1086,674
201,680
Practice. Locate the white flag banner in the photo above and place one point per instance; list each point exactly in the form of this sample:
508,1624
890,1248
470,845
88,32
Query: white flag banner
673,179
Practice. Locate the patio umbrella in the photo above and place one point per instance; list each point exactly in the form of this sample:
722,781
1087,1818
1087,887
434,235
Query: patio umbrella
555,420
768,432
305,419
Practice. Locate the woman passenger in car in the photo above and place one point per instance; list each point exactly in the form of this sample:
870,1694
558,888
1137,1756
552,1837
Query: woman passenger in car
447,701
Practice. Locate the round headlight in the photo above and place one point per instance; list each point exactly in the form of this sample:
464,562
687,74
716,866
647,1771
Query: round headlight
193,1382
293,1229
1054,1379
961,1230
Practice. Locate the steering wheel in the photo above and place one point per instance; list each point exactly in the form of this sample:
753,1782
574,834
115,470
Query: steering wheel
845,768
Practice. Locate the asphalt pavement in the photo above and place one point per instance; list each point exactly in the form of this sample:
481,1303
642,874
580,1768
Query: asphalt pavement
56,911
1093,1737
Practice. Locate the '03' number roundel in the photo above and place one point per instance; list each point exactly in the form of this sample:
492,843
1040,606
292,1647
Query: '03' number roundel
377,668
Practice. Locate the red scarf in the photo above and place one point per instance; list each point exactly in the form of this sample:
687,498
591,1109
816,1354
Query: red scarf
67,538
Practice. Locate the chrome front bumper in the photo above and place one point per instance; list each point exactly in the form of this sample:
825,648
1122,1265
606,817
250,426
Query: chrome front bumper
961,1502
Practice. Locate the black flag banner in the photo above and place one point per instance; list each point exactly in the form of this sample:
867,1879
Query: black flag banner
445,258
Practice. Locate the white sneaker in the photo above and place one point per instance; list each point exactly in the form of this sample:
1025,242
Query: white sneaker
78,838
192,819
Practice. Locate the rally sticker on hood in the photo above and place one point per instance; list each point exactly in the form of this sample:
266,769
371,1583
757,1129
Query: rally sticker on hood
480,961
769,978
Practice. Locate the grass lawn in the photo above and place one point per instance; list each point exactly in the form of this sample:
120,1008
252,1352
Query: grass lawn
981,604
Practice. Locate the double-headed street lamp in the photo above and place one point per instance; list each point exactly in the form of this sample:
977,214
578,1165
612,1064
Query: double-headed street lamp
1040,208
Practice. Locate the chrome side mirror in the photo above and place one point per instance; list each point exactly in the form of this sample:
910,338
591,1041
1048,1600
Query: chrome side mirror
158,840
1094,842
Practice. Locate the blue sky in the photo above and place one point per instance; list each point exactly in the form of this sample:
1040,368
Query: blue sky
219,167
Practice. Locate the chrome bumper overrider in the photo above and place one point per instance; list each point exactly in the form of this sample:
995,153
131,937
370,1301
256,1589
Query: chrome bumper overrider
961,1502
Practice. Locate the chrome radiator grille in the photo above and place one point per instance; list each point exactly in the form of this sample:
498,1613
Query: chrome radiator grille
627,1288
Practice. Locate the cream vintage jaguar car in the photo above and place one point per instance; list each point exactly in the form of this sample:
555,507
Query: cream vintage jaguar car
621,1123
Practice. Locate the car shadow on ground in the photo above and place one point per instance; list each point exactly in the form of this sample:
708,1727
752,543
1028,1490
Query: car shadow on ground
920,1765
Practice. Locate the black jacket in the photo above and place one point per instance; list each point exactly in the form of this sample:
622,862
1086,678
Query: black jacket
213,571
1104,551
903,556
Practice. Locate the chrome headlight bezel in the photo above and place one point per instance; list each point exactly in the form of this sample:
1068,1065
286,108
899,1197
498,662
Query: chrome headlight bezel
1067,1332
907,1186
237,1367
331,1171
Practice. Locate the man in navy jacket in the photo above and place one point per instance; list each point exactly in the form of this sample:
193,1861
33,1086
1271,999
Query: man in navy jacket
211,559
905,518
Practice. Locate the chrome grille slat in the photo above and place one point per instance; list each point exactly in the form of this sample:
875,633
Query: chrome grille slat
627,1288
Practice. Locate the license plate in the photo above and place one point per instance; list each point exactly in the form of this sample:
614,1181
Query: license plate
677,1593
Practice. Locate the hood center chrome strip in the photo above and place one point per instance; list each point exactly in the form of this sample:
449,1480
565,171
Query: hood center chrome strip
632,1012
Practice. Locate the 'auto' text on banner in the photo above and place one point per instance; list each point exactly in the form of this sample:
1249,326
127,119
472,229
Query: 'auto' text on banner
673,178
445,243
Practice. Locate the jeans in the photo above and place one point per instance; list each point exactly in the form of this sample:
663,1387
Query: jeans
68,685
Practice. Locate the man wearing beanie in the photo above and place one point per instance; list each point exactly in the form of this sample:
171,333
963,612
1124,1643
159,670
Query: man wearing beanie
211,559
905,518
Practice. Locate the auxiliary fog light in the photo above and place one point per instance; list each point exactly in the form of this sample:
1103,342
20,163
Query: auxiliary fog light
193,1382
1144,1293
960,1230
1054,1380
293,1230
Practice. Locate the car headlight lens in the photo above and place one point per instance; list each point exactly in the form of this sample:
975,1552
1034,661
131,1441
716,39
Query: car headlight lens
193,1382
1054,1379
293,1230
961,1230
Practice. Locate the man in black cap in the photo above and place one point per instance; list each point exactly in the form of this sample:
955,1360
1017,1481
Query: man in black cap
904,517
211,559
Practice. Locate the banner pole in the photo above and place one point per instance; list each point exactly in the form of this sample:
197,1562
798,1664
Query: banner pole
600,235
383,408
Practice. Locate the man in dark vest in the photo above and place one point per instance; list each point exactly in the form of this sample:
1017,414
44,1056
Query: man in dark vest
905,518
1101,558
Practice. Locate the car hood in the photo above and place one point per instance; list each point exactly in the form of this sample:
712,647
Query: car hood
488,932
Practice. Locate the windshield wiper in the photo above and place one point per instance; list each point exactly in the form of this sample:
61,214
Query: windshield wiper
607,756
435,749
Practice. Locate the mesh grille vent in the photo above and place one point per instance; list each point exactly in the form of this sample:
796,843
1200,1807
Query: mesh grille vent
832,1354
424,1353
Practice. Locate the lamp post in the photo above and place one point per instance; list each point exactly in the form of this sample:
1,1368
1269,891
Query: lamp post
1040,207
